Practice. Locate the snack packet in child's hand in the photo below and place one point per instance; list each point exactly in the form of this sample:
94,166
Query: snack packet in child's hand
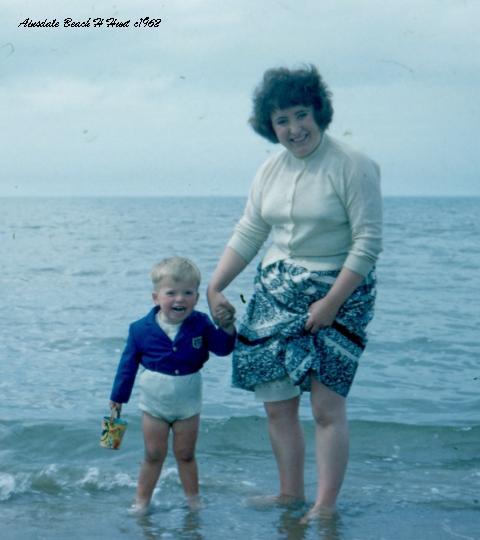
113,429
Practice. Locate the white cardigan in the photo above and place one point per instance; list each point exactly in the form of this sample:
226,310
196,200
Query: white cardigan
324,210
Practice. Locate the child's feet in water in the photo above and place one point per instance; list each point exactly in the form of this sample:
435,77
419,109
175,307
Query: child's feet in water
194,503
138,510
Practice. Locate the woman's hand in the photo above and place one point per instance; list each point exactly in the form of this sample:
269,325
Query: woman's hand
222,311
228,267
323,312
320,314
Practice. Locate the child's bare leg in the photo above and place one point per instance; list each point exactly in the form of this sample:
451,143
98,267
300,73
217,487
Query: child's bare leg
185,433
155,434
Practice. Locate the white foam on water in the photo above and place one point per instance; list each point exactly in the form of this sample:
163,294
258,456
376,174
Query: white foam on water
93,478
448,529
168,472
11,485
7,486
48,479
248,483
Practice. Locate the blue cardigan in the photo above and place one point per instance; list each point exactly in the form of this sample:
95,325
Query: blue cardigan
148,345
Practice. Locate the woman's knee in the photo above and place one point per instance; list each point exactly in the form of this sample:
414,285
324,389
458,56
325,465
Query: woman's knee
325,417
328,407
279,412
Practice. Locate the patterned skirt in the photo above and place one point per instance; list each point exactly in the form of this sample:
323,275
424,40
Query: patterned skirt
272,343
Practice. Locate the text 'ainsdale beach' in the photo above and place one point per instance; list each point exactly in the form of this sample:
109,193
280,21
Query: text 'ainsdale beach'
97,22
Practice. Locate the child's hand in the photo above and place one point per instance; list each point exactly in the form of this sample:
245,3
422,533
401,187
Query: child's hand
115,407
219,306
226,317
226,322
229,328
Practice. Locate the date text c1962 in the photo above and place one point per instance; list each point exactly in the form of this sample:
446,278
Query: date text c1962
97,22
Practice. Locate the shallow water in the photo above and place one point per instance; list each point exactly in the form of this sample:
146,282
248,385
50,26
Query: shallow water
75,273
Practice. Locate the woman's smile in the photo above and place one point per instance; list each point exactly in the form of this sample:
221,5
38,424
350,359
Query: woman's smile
296,129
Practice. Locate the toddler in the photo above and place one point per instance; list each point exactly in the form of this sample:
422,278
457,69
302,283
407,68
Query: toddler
171,343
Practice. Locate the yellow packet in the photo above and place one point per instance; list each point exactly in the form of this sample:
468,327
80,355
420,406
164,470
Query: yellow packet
113,429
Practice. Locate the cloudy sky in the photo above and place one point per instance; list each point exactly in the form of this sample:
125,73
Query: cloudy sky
163,111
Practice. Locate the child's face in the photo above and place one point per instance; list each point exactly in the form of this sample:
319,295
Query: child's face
176,299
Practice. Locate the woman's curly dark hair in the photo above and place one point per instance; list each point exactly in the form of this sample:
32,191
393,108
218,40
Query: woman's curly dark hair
282,88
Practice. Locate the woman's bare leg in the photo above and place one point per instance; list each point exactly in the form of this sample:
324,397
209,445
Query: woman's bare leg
332,445
286,437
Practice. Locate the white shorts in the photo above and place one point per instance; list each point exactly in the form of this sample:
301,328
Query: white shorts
279,390
170,397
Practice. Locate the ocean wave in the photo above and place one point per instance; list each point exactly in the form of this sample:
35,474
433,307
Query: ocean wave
56,479
436,466
47,270
96,480
64,441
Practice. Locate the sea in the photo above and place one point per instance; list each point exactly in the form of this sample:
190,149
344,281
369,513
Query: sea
74,274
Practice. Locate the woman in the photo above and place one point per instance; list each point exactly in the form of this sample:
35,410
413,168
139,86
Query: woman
304,328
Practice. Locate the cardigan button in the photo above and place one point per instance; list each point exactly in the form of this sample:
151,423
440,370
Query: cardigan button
174,349
177,372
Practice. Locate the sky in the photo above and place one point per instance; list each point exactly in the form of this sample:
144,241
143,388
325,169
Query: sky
162,111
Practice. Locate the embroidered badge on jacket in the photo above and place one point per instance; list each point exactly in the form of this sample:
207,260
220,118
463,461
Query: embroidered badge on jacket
197,342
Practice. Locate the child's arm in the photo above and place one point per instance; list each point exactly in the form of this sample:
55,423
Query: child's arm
221,340
126,371
229,329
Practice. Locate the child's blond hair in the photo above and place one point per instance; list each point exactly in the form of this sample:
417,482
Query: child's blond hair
176,268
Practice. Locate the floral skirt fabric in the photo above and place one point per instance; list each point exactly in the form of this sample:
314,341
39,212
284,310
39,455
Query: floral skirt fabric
273,344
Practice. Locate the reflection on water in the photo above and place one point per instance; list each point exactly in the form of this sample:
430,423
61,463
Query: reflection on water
190,527
329,527
325,527
288,525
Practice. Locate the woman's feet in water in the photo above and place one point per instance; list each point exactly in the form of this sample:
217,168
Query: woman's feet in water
267,501
319,512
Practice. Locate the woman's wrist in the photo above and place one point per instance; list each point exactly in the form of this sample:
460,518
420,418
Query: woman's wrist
334,301
213,289
347,281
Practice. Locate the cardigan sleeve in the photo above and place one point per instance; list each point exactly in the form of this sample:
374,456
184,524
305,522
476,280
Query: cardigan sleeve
126,371
251,230
363,203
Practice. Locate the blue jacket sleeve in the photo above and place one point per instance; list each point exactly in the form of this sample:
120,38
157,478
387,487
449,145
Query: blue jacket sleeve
219,342
126,371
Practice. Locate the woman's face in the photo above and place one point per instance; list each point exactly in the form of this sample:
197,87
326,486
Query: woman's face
296,129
